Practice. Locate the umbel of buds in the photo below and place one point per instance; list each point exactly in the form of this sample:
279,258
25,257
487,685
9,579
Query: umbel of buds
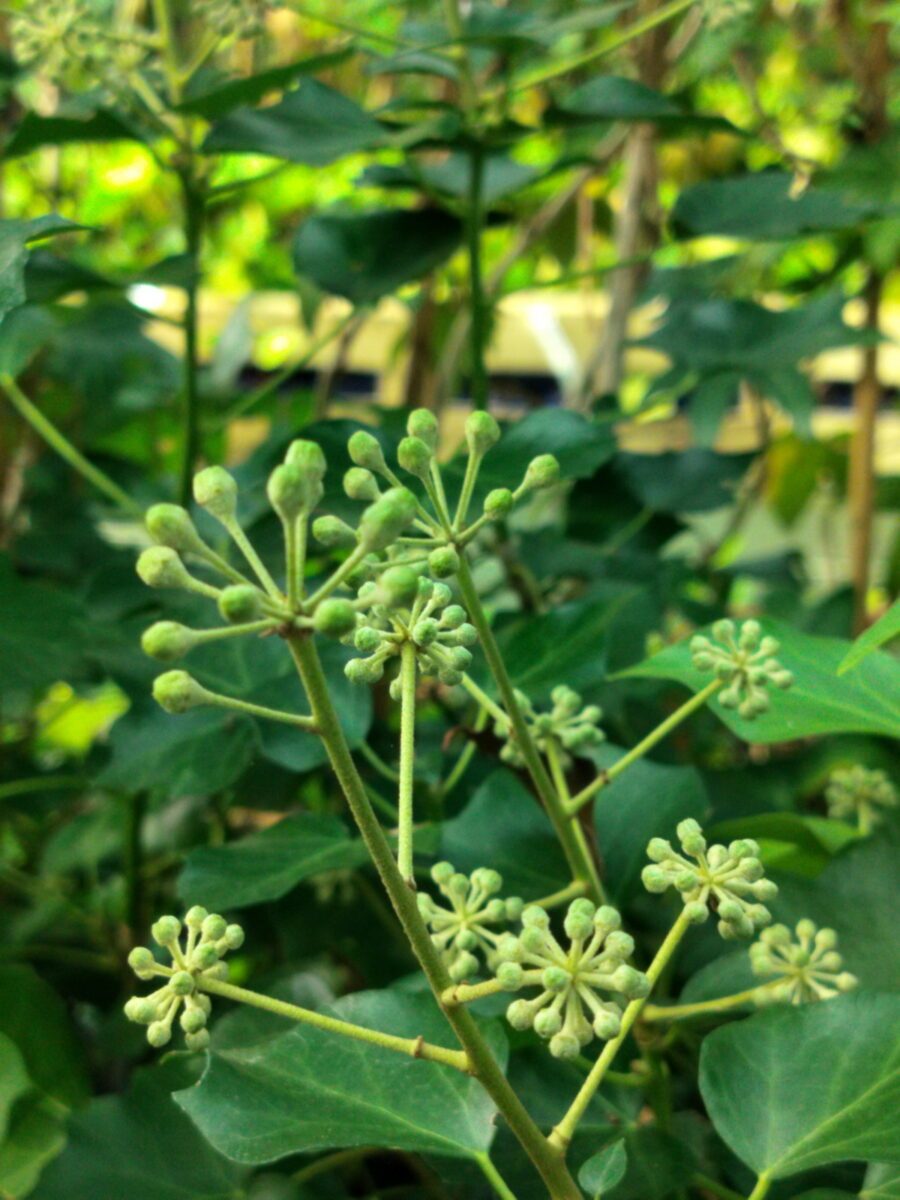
404,608
582,989
208,939
745,662
462,927
568,725
806,966
728,880
859,793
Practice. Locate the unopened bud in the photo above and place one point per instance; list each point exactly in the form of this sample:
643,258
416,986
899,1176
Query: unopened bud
177,692
443,562
542,472
216,491
170,525
167,641
498,503
334,533
287,492
398,587
482,432
240,602
423,424
334,618
414,456
160,567
383,522
361,484
365,450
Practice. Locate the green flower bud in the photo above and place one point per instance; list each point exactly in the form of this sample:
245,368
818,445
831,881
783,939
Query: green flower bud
423,424
414,456
425,632
556,979
482,432
607,1025
141,1009
442,873
695,912
365,450
464,967
383,522
177,692
204,956
193,1020
443,562
160,567
542,472
167,641
498,503
216,491
288,491
308,459
166,931
547,1022
234,937
214,927
170,525
367,639
240,602
364,670
142,962
159,1034
360,484
182,983
334,618
453,616
520,1015
195,917
631,983
398,587
197,1041
334,533
509,975
565,1046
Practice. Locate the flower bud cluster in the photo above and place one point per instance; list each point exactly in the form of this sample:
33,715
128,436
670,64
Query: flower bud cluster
59,37
726,880
405,608
861,793
569,725
807,966
745,661
575,984
232,19
208,939
462,927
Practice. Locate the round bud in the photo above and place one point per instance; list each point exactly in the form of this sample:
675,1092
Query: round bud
234,937
536,917
607,918
443,562
607,1024
365,451
846,982
806,929
465,966
182,983
218,970
398,587
826,939
509,976
547,1022
654,879
695,913
555,979
197,1041
192,1020
160,567
288,491
307,459
216,491
482,432
167,641
658,849
467,635
141,1009
453,616
542,472
488,880
360,484
364,670
498,503
334,533
442,872
366,639
425,632
334,618
533,939
578,925
204,956
177,692
240,602
141,961
195,916
384,521
466,939
520,1015
631,983
565,1046
414,456
514,906
170,525
159,1034
723,630
423,424
214,927
441,595
166,930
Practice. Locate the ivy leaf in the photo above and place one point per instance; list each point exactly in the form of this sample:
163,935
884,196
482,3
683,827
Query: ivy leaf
140,1145
313,124
364,256
36,1134
267,865
885,630
658,1164
15,238
310,1090
882,1182
35,1020
581,447
795,1088
604,1169
103,125
868,701
695,480
615,98
236,93
39,634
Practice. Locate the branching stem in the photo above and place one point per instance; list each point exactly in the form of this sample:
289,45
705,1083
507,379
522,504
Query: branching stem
407,759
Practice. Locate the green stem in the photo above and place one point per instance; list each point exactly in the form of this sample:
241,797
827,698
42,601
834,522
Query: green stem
563,1132
217,700
64,448
493,1176
194,203
377,763
762,1187
478,693
407,758
347,567
477,304
704,1183
332,1162
675,1012
569,833
40,783
555,899
482,1063
473,462
414,1047
461,765
656,735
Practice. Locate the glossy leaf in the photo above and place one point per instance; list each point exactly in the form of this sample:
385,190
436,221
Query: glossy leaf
15,238
882,633
882,1182
604,1169
868,701
795,1088
308,1090
615,98
235,93
364,256
267,865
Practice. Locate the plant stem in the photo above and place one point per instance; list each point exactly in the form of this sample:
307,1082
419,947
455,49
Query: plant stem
482,1063
298,720
493,1176
478,328
460,767
562,1133
60,443
675,1012
572,892
570,834
762,1187
861,481
656,735
377,763
414,1047
407,758
466,993
39,783
194,203
704,1183
332,1162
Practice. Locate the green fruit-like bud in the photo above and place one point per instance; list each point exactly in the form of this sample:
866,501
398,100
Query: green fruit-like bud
177,692
607,1025
443,562
195,916
631,983
166,930
288,491
141,1010
240,602
565,1046
308,458
167,641
398,587
364,670
160,567
169,525
414,456
334,533
334,618
234,937
197,1041
465,966
547,1023
520,1015
192,1020
384,521
442,873
498,503
366,640
542,472
141,961
695,912
214,927
216,491
654,879
425,632
555,979
509,975
423,424
365,451
204,957
482,432
360,484
182,983
159,1034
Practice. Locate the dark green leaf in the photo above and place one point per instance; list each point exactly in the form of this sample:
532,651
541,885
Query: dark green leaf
104,125
658,1165
615,98
791,1089
35,1020
308,1090
15,1081
267,865
313,125
695,480
15,238
36,1134
365,256
235,93
604,1170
